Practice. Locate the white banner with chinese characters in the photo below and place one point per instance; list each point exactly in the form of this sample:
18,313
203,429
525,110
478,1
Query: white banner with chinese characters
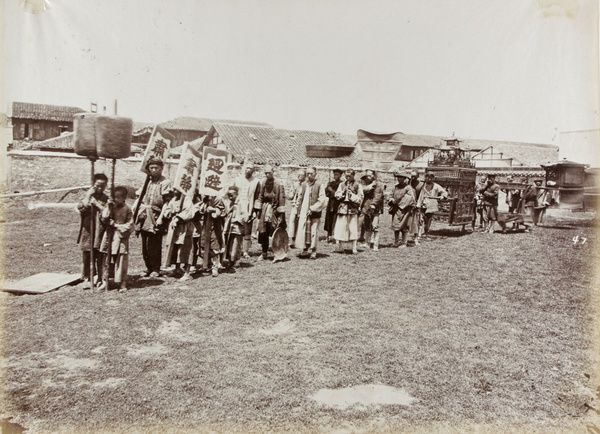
214,162
159,146
188,170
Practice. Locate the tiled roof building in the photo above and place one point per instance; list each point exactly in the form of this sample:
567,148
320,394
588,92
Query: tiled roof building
263,145
41,121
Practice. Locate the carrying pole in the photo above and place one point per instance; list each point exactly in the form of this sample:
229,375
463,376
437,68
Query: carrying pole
206,237
138,202
109,230
92,234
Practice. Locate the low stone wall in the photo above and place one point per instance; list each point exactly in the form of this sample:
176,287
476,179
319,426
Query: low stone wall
37,171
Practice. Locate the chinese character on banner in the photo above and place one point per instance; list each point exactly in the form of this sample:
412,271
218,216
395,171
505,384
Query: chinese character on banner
188,170
159,146
212,175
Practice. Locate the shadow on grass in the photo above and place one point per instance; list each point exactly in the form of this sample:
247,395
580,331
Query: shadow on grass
319,256
567,226
135,282
450,232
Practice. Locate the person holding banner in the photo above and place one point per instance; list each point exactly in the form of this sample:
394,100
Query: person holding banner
249,191
272,200
311,201
215,207
180,211
150,208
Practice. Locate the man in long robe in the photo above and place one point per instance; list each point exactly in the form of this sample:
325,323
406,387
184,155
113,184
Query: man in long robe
371,209
401,205
272,199
151,204
350,195
293,197
332,203
311,202
249,191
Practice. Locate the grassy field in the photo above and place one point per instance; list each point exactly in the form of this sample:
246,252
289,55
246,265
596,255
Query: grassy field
486,332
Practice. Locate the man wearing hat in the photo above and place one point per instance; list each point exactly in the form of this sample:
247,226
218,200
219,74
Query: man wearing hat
371,209
332,204
489,194
311,201
416,224
401,205
428,201
293,197
542,201
272,200
249,191
156,196
350,194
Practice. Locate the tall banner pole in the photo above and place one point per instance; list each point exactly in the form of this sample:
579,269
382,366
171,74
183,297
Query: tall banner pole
92,232
211,184
186,180
109,230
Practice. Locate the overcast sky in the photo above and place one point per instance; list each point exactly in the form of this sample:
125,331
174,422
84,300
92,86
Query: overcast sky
520,70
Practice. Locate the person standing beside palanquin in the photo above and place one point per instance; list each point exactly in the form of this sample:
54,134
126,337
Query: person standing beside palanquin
332,204
156,196
428,201
249,191
350,194
401,205
93,203
272,200
478,203
490,203
311,201
293,197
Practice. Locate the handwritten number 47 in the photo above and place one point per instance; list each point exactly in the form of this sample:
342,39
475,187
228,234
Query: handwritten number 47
578,238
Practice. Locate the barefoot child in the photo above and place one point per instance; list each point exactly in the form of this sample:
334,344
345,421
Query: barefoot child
118,218
181,230
214,207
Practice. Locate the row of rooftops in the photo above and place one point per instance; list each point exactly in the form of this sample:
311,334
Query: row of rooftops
264,144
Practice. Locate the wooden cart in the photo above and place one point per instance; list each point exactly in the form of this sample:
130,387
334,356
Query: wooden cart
518,218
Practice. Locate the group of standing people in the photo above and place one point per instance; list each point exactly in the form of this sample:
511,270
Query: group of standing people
251,207
533,200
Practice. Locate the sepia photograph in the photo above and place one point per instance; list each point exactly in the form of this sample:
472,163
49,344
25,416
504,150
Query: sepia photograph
299,216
